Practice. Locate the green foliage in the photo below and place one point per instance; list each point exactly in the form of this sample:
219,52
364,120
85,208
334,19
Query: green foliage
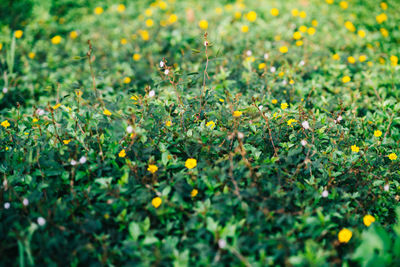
157,144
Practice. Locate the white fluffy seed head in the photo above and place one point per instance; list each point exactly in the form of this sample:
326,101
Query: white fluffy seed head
303,142
7,205
25,202
41,221
305,125
152,93
325,193
82,160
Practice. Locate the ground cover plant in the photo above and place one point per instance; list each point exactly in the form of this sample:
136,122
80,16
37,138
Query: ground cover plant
199,133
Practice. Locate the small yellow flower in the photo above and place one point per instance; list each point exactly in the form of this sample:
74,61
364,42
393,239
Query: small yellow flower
107,112
351,60
136,57
296,35
394,60
237,113
124,41
311,31
355,148
145,35
384,5
284,105
302,14
314,23
127,80
362,58
73,34
381,18
149,23
262,66
350,26
203,24
98,10
303,28
168,123
66,142
299,43
121,8
290,122
392,156
35,120
283,49
244,28
238,15
377,133
18,34
148,12
346,79
1,46
251,16
194,193
368,220
156,202
344,235
218,10
31,55
135,98
221,100
5,124
344,4
295,12
56,39
274,12
172,19
330,2
274,101
361,33
152,168
78,93
210,124
190,163
162,5
56,106
384,32
122,153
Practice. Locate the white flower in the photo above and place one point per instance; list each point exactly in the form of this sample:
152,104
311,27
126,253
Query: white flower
249,53
41,221
166,72
82,160
152,93
305,125
339,118
222,243
73,162
272,69
325,193
5,90
240,135
266,56
7,205
40,112
284,82
25,202
386,187
303,142
129,129
162,64
302,63
260,107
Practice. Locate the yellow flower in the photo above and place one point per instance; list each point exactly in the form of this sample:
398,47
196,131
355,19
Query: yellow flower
66,142
148,12
362,58
136,57
218,10
377,133
283,49
237,113
290,122
78,93
18,34
274,101
244,28
134,97
368,220
152,168
56,106
344,4
31,55
381,18
203,24
284,105
98,10
392,156
384,32
251,16
5,124
124,41
162,5
122,153
107,112
238,15
361,33
73,34
295,12
1,46
303,28
35,120
351,60
350,26
210,124
394,60
56,39
194,193
274,12
346,79
172,18
156,202
314,23
168,123
127,80
344,235
149,22
121,8
296,35
330,2
190,163
311,31
299,43
221,100
262,66
145,35
355,148
302,14
384,6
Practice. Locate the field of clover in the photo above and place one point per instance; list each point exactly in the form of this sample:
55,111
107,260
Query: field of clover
200,133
